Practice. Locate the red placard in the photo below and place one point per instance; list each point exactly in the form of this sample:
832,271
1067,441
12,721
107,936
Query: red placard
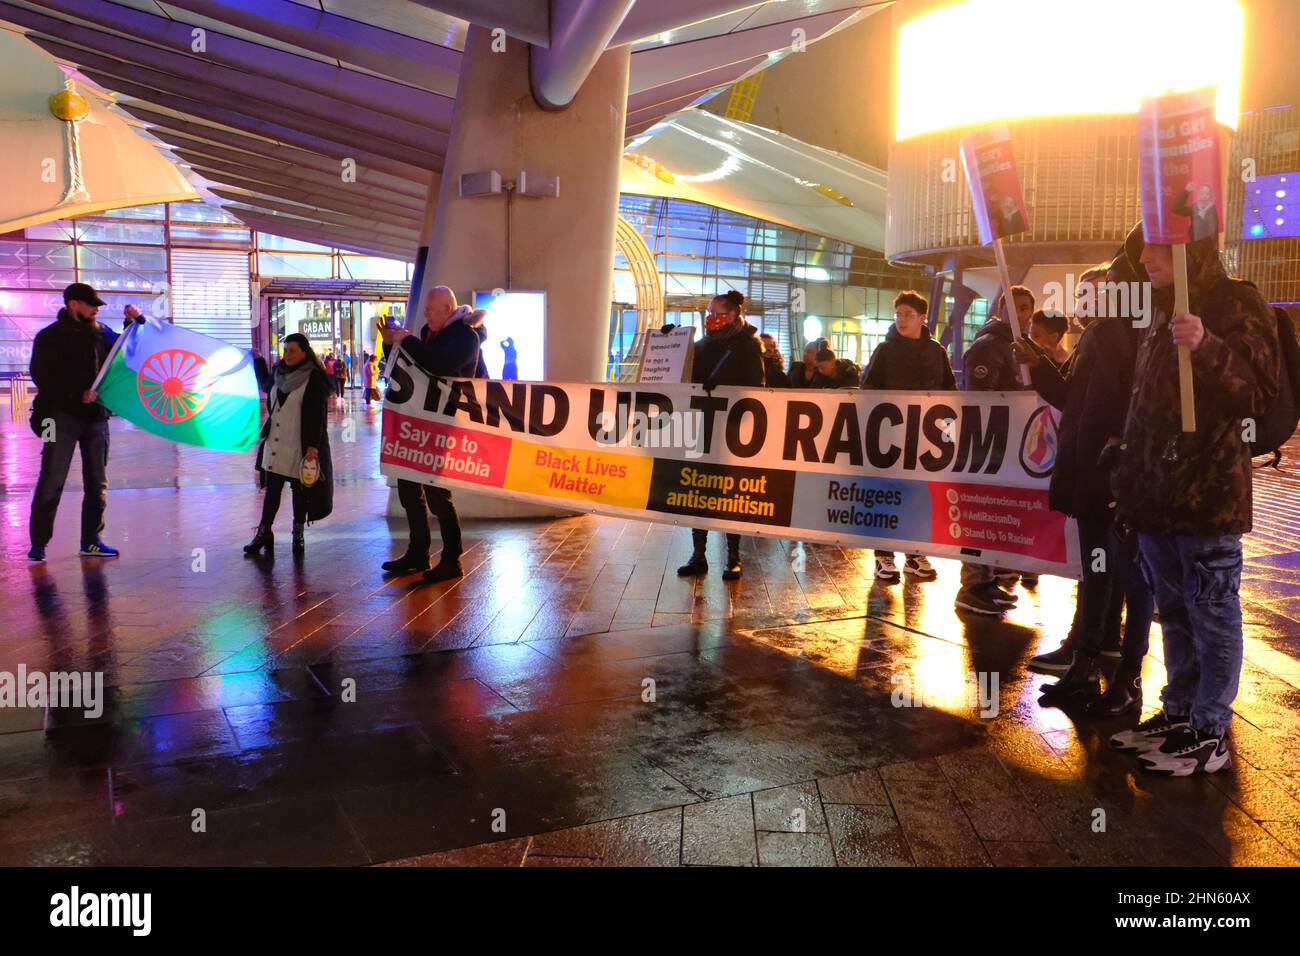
1179,169
990,163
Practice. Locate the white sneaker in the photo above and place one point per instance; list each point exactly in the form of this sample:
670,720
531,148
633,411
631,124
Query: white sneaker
886,570
1185,752
1149,734
919,565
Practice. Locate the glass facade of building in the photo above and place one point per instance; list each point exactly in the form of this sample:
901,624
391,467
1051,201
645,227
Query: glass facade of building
797,286
184,262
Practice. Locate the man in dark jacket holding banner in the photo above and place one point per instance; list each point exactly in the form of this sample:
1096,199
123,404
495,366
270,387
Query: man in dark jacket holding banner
448,346
729,354
910,360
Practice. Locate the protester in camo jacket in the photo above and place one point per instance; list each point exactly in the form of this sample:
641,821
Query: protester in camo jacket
1189,495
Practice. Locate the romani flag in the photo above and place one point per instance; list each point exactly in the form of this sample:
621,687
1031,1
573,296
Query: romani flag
183,386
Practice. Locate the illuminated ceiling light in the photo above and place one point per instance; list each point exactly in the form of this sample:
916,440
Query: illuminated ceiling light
1281,194
812,273
812,328
1278,222
1257,230
1152,45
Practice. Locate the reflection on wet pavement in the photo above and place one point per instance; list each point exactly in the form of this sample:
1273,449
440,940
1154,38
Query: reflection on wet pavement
571,701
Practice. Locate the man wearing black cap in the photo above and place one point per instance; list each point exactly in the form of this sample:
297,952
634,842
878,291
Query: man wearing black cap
66,358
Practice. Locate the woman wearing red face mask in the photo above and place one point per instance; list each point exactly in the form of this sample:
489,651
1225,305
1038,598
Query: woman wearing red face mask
729,354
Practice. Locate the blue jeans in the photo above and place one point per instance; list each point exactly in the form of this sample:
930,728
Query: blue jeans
1195,583
1110,565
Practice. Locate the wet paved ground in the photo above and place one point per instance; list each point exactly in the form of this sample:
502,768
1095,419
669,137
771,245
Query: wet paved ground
571,701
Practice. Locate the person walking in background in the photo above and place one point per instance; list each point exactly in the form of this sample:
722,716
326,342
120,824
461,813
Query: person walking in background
370,375
729,354
341,375
1093,395
908,359
449,345
1189,496
294,443
347,363
773,363
66,358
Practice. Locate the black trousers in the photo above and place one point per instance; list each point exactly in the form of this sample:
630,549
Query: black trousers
271,503
414,498
56,458
699,537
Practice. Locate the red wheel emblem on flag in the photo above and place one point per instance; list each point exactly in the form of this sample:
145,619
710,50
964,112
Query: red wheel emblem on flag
173,385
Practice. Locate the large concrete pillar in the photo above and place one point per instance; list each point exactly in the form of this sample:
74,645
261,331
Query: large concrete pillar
563,246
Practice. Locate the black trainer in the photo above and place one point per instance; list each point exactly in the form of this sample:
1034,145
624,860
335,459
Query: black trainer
1149,734
1185,751
978,601
444,570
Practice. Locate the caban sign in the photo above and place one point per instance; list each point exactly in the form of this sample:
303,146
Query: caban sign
317,328
953,474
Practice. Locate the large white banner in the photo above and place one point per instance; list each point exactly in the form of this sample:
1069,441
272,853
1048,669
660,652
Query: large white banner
950,474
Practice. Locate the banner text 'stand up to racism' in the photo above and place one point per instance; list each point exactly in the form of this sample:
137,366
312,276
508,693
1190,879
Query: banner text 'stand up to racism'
947,474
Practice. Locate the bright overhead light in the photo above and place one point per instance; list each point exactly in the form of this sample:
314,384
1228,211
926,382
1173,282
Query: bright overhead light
1010,35
812,273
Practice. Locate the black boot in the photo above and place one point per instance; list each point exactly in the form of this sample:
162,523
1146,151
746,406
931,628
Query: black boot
299,545
1082,682
263,539
445,570
696,566
1123,694
733,569
407,564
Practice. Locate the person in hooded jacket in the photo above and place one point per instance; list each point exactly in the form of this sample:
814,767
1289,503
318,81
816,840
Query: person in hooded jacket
729,354
908,359
450,345
1189,495
294,434
990,366
1093,395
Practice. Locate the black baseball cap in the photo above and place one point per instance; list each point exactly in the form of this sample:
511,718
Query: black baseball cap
80,292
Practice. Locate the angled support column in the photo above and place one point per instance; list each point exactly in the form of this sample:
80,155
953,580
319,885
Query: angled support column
580,32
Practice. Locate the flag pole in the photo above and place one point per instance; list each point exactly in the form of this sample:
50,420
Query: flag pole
1186,396
1009,302
112,353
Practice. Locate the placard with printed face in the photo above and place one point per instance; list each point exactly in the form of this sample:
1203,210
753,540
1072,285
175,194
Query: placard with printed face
990,163
1179,167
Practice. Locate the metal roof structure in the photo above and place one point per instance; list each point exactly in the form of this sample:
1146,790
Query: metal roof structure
262,100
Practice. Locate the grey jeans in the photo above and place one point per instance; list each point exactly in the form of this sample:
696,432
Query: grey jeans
56,458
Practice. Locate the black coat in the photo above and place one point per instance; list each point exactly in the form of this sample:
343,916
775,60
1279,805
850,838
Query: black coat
912,364
1093,396
989,362
456,351
315,434
66,357
773,374
729,359
845,376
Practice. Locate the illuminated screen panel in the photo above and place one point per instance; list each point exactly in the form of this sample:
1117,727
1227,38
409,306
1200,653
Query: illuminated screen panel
515,348
985,60
1272,208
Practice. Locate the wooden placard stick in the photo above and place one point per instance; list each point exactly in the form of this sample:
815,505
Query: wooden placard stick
1186,394
1009,302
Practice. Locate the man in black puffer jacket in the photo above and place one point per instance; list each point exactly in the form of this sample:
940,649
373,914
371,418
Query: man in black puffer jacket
449,346
729,354
911,360
1093,396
